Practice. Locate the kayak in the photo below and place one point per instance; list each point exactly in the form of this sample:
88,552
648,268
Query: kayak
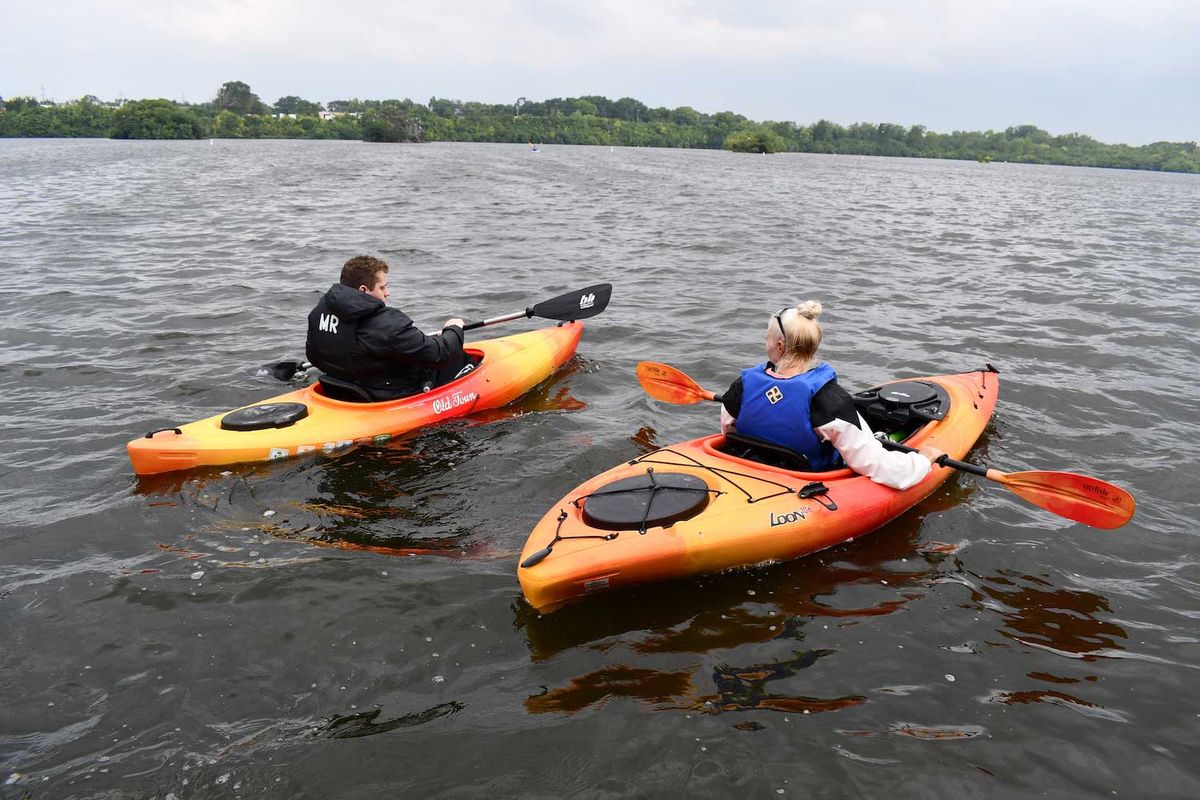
310,420
720,502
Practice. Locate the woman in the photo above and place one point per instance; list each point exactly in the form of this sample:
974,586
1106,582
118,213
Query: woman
793,402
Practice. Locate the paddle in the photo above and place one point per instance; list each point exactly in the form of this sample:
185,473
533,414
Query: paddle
664,382
579,304
285,370
1077,497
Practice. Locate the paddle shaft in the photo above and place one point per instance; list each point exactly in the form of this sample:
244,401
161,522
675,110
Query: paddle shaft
943,461
470,326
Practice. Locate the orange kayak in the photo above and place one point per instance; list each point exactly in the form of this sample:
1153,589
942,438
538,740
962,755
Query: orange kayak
510,366
696,508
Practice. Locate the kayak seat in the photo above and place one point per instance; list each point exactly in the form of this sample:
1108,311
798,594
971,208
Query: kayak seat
764,452
346,391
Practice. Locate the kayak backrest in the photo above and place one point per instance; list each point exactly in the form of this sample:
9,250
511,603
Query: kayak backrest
346,391
764,452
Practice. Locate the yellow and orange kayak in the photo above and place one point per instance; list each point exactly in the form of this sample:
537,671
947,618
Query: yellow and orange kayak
696,508
509,367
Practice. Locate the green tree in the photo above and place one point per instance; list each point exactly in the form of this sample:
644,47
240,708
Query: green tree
591,119
228,125
20,103
391,123
630,110
447,109
156,119
297,105
759,139
236,96
685,115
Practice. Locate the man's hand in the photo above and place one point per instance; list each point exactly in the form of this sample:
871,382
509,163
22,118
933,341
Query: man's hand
453,323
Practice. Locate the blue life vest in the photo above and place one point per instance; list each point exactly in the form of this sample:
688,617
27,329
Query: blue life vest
777,410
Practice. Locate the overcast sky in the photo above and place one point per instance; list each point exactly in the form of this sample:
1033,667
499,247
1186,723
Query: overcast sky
1118,70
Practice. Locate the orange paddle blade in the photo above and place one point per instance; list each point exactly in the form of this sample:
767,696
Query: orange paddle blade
664,382
1088,500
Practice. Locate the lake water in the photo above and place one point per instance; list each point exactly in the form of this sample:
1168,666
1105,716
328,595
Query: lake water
224,635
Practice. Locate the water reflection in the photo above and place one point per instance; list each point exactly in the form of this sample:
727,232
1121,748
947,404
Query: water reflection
401,498
656,689
746,688
1066,622
367,723
646,440
759,604
1057,698
1037,613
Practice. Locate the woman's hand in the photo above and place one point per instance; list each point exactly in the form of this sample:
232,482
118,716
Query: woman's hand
930,452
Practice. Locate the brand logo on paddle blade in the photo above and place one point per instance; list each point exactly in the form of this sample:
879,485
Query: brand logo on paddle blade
587,301
774,395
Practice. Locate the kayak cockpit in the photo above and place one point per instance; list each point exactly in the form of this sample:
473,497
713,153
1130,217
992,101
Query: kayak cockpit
350,392
896,410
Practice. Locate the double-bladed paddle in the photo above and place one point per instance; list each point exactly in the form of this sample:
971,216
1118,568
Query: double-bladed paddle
1077,497
579,304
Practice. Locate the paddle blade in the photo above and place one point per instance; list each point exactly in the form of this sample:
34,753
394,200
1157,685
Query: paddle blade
664,382
579,304
1078,497
284,370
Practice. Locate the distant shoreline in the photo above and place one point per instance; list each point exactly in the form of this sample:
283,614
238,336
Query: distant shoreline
237,113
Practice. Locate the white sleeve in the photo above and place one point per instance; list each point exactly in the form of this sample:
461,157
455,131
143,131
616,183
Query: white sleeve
863,453
727,421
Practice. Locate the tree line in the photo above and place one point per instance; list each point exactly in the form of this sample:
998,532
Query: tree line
237,113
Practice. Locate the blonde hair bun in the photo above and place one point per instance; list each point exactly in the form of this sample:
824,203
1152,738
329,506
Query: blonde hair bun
809,309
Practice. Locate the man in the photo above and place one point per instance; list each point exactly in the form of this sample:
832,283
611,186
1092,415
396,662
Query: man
353,336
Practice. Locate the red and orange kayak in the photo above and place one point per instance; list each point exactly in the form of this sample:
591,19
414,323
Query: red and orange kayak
696,508
509,367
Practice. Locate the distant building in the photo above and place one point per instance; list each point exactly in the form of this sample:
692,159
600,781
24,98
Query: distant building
328,115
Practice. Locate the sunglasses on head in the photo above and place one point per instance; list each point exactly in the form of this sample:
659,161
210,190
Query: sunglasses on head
779,319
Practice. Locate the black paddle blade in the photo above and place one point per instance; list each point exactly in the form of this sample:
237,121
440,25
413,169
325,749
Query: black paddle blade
579,304
284,370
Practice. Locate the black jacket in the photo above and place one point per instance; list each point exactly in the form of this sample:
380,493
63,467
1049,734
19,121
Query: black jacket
356,337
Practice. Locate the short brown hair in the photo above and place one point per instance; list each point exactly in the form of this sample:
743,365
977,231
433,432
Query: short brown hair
363,271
